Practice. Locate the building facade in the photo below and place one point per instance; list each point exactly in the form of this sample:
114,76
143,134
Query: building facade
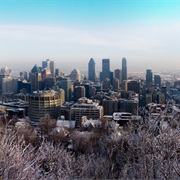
118,75
65,84
35,78
86,107
42,103
149,77
157,80
91,70
105,69
79,91
124,69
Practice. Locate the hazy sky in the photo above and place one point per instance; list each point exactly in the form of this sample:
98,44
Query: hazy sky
146,32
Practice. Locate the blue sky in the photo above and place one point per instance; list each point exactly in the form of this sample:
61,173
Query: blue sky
70,32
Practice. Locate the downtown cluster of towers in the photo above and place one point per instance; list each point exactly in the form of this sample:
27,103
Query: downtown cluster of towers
120,74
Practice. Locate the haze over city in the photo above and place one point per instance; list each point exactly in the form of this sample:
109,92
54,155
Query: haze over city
71,32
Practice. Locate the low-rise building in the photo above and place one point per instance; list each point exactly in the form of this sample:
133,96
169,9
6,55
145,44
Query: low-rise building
86,107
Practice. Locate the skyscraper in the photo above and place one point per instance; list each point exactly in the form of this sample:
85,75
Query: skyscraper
49,65
105,69
46,64
65,84
118,75
35,78
149,76
79,91
91,70
157,80
124,69
52,67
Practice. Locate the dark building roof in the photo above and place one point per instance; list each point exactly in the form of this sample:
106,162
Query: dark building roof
35,69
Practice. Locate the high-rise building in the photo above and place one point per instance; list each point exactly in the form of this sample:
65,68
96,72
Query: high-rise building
46,64
49,65
115,83
23,75
130,106
149,75
149,98
124,69
91,70
43,103
168,87
52,67
9,85
79,91
110,106
58,72
106,84
133,86
157,80
76,75
65,84
118,75
105,69
4,73
35,78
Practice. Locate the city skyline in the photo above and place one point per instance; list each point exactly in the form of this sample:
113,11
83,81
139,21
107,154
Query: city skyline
70,33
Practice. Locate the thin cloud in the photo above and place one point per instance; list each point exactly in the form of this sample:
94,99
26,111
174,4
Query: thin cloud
48,33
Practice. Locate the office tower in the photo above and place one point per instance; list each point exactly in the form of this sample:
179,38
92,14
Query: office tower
106,84
111,77
4,73
46,64
124,69
76,83
85,107
79,91
89,90
65,84
23,75
46,73
48,83
105,69
124,85
116,83
149,98
76,75
110,106
43,103
58,72
161,98
130,106
118,75
149,76
35,79
49,65
133,86
52,67
168,87
9,85
157,80
164,91
91,70
24,87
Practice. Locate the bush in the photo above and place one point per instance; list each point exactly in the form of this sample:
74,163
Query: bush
146,151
